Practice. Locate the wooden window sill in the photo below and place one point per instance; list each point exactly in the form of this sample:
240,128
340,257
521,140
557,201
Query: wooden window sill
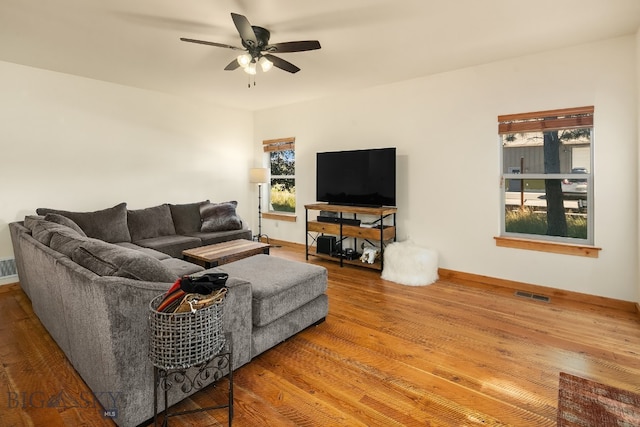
544,246
291,217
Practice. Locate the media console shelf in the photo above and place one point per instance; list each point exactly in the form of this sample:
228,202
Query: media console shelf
378,236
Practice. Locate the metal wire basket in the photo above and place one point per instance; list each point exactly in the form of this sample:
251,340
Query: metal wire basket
182,340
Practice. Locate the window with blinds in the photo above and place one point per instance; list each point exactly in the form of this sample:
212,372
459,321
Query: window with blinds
282,163
547,174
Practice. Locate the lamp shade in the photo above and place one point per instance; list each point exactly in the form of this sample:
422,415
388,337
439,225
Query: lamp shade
259,175
244,59
251,68
265,64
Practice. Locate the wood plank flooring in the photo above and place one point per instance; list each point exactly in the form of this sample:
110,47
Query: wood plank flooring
387,355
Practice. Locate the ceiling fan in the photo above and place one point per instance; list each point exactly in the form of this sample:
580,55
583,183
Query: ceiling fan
255,42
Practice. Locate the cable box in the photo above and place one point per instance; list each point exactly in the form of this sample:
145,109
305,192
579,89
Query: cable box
338,220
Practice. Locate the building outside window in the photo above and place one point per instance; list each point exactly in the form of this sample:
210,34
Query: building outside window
547,175
282,163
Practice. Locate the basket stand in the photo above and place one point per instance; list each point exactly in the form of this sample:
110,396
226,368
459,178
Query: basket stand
189,367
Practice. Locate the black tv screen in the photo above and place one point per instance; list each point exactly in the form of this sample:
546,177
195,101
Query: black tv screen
357,177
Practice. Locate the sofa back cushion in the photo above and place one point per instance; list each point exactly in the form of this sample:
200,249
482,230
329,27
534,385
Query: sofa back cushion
63,220
106,259
108,224
31,220
67,241
220,216
44,231
150,222
186,217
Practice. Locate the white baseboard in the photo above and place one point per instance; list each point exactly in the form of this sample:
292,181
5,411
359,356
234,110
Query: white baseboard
9,280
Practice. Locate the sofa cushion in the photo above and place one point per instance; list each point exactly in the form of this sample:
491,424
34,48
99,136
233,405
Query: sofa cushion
186,217
279,286
31,220
67,241
150,222
171,245
108,224
181,267
106,259
63,220
43,230
156,254
209,238
220,216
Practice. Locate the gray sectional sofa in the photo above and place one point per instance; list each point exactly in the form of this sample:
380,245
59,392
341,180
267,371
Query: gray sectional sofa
91,275
168,228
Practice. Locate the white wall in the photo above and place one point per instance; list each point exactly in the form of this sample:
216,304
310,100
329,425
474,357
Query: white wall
79,144
445,129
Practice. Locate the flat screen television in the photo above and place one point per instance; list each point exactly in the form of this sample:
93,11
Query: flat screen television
357,177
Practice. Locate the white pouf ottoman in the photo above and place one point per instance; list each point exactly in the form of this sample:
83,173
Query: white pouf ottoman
409,264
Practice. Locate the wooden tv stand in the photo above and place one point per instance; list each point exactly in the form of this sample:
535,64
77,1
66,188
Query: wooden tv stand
378,236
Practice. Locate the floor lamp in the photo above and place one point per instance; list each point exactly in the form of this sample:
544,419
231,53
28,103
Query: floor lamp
259,176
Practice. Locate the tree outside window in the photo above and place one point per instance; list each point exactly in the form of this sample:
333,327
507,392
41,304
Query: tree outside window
547,175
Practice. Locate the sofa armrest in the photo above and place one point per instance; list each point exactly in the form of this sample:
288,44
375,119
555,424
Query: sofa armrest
237,319
17,231
111,350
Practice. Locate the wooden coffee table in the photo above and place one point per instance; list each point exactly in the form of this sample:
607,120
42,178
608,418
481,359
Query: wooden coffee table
222,253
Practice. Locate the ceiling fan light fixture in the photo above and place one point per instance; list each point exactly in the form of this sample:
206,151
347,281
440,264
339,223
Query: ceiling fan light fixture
265,64
244,60
251,68
257,49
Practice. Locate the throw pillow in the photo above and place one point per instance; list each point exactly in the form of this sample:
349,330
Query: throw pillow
63,220
150,222
31,220
108,224
43,230
66,241
186,217
220,217
106,259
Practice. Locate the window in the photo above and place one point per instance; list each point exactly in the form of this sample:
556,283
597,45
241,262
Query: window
282,162
547,175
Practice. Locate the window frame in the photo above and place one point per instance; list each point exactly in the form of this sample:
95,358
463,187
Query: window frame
273,145
544,121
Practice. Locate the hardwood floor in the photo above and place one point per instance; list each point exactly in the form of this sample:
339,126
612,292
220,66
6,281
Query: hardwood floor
387,355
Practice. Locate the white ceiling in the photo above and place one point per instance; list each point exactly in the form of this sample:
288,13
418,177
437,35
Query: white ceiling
365,43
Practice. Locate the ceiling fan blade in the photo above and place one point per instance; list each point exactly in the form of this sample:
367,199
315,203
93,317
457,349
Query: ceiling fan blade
244,29
300,46
233,65
211,43
282,64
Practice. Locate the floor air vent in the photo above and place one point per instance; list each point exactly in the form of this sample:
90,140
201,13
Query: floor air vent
8,268
536,297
